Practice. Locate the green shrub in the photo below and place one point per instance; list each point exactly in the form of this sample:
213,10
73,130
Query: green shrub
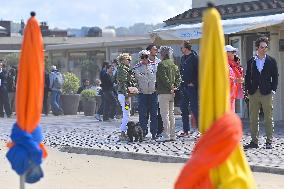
12,59
71,83
88,95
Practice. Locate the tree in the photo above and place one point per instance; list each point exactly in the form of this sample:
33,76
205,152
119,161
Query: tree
47,64
89,68
12,59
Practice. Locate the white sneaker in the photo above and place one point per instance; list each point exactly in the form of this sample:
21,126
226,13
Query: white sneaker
163,139
113,119
193,130
173,138
196,134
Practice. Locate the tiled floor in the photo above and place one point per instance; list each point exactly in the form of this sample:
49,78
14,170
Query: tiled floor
86,132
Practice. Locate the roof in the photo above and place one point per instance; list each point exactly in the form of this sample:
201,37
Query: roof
103,42
194,31
230,11
70,40
10,51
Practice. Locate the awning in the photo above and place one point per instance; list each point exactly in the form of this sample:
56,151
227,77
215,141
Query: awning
194,31
2,30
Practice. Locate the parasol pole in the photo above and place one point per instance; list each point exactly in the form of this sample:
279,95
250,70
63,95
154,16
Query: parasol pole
22,181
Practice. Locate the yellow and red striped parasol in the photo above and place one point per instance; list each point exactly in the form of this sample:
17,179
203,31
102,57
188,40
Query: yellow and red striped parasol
218,160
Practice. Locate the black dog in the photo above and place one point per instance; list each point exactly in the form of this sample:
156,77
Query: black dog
134,130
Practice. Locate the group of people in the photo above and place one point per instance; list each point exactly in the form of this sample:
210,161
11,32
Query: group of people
154,82
157,81
8,78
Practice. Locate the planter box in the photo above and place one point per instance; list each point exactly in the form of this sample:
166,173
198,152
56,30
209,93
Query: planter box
70,104
89,107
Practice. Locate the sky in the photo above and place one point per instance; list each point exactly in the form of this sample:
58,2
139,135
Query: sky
77,13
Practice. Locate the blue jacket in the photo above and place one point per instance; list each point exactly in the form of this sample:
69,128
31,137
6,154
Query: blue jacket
189,69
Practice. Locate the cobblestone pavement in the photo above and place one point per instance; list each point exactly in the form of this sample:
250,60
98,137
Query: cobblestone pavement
82,134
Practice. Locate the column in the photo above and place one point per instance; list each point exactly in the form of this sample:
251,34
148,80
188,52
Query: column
274,52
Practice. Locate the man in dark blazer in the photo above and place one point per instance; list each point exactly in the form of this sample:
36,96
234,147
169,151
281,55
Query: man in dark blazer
261,82
189,85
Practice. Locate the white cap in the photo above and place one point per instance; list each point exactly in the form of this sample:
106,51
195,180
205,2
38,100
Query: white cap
53,67
229,48
143,52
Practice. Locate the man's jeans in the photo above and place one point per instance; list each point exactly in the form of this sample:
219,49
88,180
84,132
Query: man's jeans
55,102
45,102
4,102
189,99
148,102
184,107
109,105
101,107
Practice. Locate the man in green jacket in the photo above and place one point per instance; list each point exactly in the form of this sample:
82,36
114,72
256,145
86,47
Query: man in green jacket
168,79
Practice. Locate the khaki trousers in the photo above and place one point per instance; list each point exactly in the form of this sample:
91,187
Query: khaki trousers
166,104
256,101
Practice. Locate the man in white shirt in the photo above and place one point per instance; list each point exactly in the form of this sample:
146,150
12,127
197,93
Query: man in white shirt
261,82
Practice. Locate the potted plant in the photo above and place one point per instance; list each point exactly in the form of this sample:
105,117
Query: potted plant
88,97
69,98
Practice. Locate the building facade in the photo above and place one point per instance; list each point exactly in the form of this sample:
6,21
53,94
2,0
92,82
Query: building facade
70,54
6,28
70,57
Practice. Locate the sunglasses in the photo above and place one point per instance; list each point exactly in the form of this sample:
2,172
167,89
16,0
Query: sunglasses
263,47
144,56
129,59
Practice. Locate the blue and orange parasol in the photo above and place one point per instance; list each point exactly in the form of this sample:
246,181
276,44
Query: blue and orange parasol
26,150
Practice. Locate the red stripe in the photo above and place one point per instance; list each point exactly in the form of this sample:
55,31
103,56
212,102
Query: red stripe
212,149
